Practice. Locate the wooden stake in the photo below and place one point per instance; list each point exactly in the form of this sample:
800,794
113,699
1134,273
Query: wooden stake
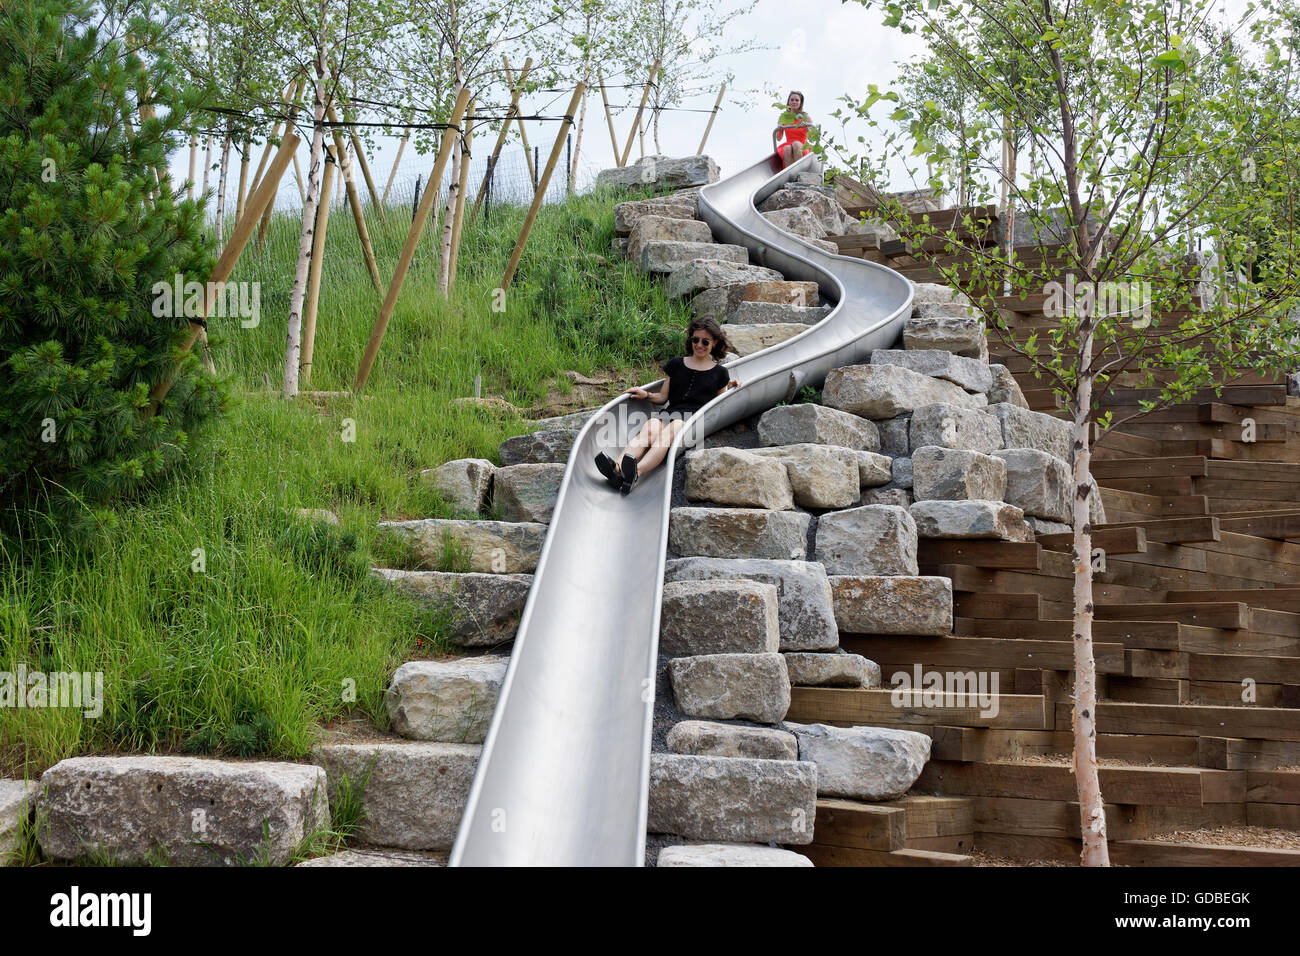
412,240
523,135
609,118
636,123
459,221
712,117
290,94
367,251
393,175
360,154
230,254
314,272
542,183
265,224
501,136
297,174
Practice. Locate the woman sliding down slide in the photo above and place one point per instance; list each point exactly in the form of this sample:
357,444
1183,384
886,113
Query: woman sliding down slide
790,138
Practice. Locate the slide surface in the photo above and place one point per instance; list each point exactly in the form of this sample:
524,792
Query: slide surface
564,774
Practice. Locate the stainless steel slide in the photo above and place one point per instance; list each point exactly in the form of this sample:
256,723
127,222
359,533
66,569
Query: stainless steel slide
564,775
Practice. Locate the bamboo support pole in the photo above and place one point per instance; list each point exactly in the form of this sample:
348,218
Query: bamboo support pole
292,101
542,183
501,136
290,94
360,154
412,240
350,187
636,123
609,118
458,221
393,174
230,254
523,134
314,272
297,174
712,117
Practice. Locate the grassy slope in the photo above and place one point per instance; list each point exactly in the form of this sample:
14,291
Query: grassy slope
254,653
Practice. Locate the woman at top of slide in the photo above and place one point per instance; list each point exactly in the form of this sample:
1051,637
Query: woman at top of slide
790,138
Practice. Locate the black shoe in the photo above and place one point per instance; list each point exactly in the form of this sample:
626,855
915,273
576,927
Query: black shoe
628,468
605,465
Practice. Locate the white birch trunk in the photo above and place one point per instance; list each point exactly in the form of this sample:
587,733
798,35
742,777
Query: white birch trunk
221,190
293,348
444,248
577,137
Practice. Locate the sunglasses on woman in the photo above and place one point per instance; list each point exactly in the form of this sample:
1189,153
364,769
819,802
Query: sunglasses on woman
696,340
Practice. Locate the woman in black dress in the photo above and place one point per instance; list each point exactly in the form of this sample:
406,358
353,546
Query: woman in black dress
692,381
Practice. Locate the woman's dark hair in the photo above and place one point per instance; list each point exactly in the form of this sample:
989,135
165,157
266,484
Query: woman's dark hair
802,101
720,344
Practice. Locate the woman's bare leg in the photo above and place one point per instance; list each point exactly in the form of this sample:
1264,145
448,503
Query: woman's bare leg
659,449
642,439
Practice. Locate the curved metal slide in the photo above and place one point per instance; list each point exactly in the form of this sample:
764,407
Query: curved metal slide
564,773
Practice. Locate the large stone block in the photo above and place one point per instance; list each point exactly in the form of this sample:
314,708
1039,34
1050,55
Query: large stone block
527,492
949,426
885,391
970,519
1037,483
863,763
894,439
1022,428
674,229
449,701
804,610
738,533
627,214
728,476
721,299
831,670
748,339
730,854
960,334
730,686
733,799
704,738
951,474
874,470
665,172
893,604
828,213
548,446
667,255
190,811
873,539
710,273
776,313
821,476
464,482
798,221
415,793
970,374
502,547
807,423
482,610
17,797
719,617
1005,388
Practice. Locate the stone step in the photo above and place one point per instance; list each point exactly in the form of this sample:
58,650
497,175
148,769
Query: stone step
970,374
862,763
489,547
464,482
703,738
724,298
527,492
887,391
731,686
775,313
718,617
188,811
695,277
831,670
970,519
650,228
482,610
627,214
547,446
892,604
808,423
668,172
414,792
748,339
668,255
738,533
446,701
730,854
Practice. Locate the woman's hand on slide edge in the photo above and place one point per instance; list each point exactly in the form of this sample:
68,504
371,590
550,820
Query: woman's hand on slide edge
635,389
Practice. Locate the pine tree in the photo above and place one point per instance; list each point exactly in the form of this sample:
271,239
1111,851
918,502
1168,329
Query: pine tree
88,226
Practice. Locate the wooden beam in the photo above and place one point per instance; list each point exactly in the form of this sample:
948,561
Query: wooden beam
501,135
1110,540
985,554
1173,530
712,116
1279,527
523,134
392,173
354,201
1148,467
636,122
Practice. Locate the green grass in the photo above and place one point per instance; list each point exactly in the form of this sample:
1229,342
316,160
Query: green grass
253,650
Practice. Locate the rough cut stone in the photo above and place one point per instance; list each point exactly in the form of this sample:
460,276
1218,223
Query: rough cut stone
133,807
573,420
464,482
730,854
776,313
972,375
821,476
963,335
649,228
803,594
661,171
884,391
703,738
748,339
949,473
376,858
807,423
17,797
738,533
1043,526
484,609
831,670
874,469
902,472
551,445
415,793
1037,483
667,255
865,763
729,476
902,497
936,293
824,209
700,618
527,492
1022,428
722,299
798,221
970,519
894,440
627,214
318,514
1005,388
948,426
450,701
729,686
709,273
1096,508
893,604
873,539
502,547
733,799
